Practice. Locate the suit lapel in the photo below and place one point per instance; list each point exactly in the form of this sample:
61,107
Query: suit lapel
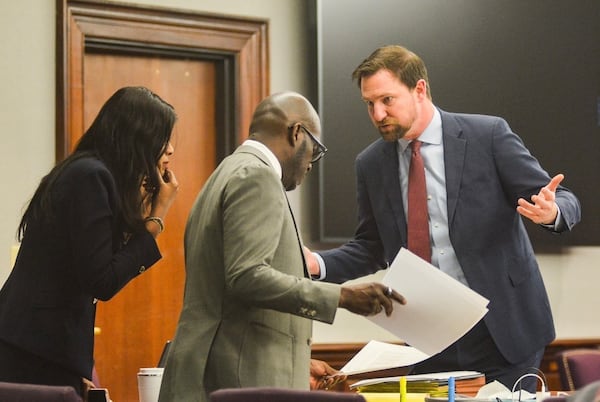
306,274
454,160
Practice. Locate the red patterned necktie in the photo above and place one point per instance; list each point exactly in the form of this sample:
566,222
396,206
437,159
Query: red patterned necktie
418,222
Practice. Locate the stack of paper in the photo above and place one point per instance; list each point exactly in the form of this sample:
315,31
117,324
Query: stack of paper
435,384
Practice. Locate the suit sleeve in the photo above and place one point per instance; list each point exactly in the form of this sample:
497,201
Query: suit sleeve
524,176
363,255
102,265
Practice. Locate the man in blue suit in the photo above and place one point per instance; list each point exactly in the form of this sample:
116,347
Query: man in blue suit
480,181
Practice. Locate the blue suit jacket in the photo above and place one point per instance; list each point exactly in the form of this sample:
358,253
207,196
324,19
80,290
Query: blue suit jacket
487,170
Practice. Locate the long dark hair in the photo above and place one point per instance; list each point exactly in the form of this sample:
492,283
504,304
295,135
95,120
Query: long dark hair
129,135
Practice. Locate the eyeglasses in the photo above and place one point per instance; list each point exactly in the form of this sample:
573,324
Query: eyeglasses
319,149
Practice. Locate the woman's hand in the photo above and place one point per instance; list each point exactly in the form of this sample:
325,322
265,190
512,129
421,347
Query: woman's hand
167,191
161,201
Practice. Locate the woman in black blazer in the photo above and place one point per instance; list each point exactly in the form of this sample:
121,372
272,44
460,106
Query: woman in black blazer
89,229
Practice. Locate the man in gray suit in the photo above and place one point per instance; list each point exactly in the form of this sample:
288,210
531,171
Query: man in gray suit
249,302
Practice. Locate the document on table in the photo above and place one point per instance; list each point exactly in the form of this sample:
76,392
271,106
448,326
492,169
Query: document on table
377,355
438,311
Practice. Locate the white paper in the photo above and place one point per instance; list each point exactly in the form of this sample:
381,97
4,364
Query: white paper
439,309
377,355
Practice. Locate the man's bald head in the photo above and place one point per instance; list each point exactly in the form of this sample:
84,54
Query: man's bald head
280,110
288,125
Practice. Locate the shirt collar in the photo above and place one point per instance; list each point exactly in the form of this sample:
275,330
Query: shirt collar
432,133
273,161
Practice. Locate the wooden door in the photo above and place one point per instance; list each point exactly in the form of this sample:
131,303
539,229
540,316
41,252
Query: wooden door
133,326
213,70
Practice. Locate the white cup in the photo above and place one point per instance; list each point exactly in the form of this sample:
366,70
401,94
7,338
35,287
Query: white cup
149,380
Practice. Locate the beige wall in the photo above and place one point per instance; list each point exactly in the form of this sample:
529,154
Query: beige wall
26,110
27,133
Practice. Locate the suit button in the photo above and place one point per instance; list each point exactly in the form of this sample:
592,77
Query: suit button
309,341
142,269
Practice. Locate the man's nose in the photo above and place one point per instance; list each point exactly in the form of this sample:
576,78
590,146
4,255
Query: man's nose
379,112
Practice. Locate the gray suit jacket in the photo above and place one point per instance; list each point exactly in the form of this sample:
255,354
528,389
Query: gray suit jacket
487,170
248,305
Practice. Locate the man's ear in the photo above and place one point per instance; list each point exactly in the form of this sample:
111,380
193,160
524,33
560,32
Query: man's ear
292,134
421,87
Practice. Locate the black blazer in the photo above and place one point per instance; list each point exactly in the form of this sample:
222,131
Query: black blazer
487,170
47,305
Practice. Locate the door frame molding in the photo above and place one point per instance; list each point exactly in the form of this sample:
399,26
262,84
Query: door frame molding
239,46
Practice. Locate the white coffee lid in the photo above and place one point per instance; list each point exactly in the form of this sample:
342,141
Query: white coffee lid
151,371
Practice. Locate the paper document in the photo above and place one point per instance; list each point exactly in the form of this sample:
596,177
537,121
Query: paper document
438,309
377,355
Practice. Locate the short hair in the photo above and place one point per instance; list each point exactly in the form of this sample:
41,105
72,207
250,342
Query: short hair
406,65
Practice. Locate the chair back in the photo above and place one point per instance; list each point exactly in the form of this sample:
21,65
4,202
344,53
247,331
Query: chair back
269,394
13,392
578,368
589,393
